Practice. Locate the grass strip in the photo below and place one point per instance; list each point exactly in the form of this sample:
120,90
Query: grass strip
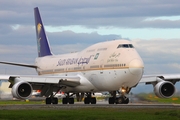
91,114
153,98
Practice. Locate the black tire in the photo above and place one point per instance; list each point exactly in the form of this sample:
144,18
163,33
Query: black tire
55,101
126,101
119,100
93,100
86,100
71,100
48,100
64,101
111,100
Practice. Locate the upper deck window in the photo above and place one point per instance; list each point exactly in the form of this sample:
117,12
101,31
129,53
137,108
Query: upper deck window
125,46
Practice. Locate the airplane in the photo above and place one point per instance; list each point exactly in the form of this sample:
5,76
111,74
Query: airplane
114,66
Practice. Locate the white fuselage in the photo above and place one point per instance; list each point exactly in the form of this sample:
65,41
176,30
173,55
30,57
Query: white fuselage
105,66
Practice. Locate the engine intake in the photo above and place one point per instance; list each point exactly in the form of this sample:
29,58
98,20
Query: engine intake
164,89
22,90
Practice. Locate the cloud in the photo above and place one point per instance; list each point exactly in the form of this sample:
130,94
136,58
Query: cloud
92,13
68,48
70,37
25,35
175,66
18,53
159,55
156,46
20,35
159,23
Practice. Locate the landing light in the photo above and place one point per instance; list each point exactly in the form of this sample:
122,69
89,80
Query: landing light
123,90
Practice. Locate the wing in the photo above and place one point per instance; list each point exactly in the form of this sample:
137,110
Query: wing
63,80
163,84
151,79
19,64
22,86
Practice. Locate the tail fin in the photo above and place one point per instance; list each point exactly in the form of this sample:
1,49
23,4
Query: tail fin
42,41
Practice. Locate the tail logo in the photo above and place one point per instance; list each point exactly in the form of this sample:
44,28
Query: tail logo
39,28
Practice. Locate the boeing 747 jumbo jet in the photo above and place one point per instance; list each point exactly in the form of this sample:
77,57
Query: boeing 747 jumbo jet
113,66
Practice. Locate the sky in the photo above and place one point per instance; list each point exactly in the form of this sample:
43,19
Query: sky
72,25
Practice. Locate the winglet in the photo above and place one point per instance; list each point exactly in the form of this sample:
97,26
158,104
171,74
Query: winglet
42,41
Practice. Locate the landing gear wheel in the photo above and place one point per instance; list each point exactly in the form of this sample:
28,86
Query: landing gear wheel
89,99
111,100
54,101
71,100
48,100
64,101
126,101
86,100
93,100
120,100
68,100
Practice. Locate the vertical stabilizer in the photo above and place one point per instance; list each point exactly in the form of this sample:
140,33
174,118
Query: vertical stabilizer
42,41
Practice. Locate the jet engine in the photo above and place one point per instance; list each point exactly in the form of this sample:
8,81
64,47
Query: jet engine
21,90
164,89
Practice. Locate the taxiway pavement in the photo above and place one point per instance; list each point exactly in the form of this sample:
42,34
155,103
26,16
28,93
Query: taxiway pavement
82,105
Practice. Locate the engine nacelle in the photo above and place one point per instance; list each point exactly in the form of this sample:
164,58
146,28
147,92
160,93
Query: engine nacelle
164,89
22,90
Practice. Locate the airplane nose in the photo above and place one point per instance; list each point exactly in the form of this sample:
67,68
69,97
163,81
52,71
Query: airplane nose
136,67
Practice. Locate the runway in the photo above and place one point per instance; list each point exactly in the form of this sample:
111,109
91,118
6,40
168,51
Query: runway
81,105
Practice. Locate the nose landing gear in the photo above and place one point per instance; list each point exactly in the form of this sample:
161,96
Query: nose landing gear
122,99
119,100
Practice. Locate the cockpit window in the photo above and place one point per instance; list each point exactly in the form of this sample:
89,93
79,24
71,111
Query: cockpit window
125,46
131,46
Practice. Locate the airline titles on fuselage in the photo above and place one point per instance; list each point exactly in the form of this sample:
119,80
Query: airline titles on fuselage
73,61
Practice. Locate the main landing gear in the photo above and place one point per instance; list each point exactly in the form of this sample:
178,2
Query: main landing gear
68,99
122,99
52,100
89,99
